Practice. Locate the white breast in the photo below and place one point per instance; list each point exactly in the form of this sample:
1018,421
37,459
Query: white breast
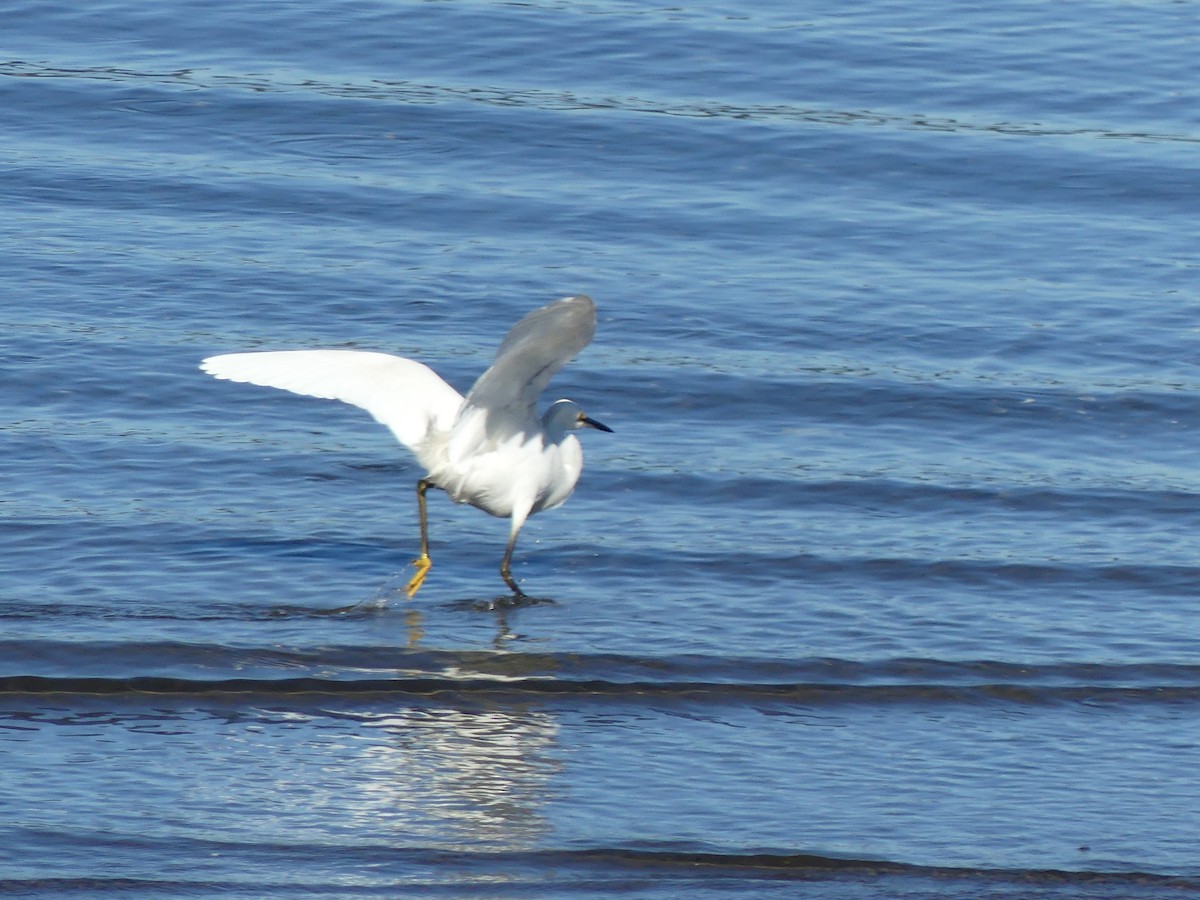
520,473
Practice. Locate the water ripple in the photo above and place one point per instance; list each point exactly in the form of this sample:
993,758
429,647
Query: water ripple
422,93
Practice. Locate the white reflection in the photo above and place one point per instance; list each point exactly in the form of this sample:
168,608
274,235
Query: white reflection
455,777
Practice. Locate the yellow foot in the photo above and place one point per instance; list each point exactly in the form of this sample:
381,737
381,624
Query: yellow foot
422,562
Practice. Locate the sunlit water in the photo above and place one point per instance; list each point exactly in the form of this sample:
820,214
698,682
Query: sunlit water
885,583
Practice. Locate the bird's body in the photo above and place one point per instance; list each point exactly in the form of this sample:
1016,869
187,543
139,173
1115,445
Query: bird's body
489,449
539,467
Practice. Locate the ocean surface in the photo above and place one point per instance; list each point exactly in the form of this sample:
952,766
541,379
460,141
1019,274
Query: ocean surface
886,585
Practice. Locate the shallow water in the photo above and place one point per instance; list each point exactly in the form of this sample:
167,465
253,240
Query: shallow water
883,586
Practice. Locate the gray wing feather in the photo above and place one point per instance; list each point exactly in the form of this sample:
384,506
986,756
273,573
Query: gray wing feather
529,356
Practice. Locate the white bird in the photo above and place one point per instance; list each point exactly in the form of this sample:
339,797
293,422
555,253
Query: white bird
489,449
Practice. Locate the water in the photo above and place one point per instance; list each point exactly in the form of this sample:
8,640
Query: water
885,585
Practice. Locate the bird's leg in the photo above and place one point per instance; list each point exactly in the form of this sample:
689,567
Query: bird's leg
422,562
506,566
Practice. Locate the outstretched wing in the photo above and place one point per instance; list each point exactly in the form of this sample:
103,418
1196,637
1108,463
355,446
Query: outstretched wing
403,394
531,353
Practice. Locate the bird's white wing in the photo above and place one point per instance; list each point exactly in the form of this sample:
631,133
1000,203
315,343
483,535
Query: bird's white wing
403,394
529,356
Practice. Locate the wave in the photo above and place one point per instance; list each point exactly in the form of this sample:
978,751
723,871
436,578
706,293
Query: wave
368,673
670,867
807,865
428,94
806,695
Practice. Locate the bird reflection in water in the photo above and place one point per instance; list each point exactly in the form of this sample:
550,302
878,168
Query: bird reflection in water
475,775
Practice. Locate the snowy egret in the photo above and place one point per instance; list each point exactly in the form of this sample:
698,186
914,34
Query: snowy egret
489,449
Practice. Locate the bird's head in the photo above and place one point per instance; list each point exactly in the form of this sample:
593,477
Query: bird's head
566,415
